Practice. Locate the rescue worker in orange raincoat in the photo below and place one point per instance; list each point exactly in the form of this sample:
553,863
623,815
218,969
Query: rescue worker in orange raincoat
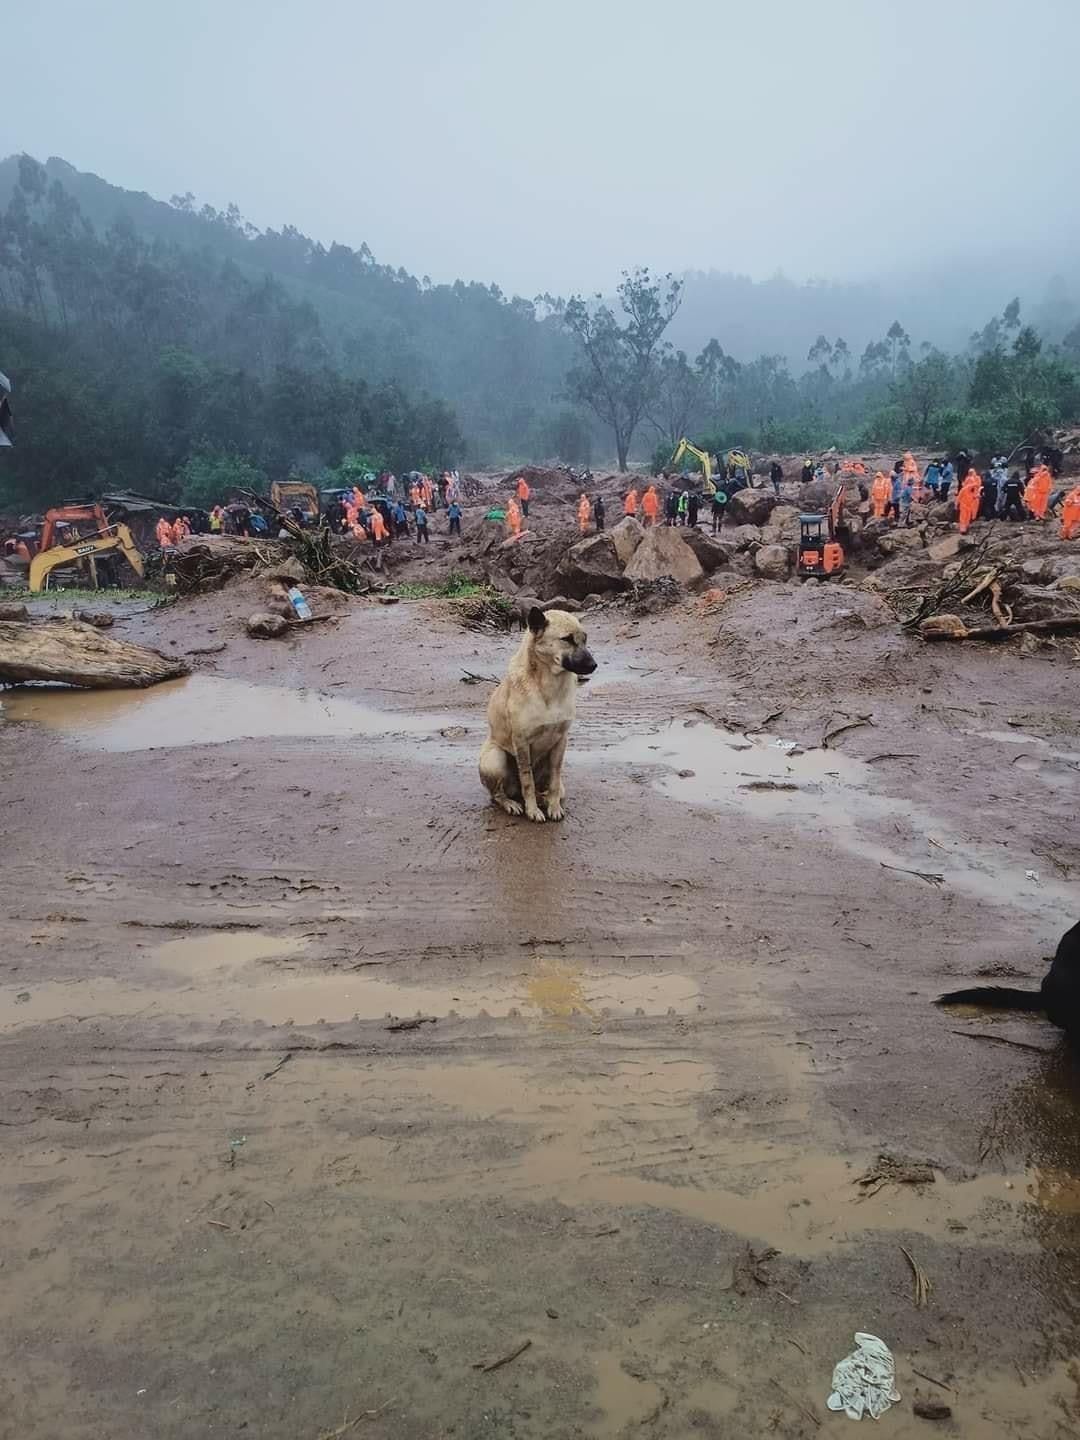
524,495
969,499
630,505
584,510
1070,514
358,497
513,518
650,505
414,494
1037,494
378,529
910,472
880,493
163,531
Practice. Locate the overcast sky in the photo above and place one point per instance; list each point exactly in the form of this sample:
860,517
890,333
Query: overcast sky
547,145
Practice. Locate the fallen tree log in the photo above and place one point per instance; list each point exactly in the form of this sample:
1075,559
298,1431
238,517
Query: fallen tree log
951,627
71,653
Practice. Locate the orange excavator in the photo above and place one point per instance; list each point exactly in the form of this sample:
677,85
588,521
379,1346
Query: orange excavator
821,552
77,535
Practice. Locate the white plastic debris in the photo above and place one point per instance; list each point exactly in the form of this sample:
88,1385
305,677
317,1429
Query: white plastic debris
864,1382
786,745
1032,875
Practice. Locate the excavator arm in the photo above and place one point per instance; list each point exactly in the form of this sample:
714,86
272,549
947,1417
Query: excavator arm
684,447
45,561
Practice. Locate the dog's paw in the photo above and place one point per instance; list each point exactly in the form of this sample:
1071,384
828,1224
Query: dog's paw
535,813
513,807
554,810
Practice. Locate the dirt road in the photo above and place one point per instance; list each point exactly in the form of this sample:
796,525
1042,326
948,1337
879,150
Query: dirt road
658,1045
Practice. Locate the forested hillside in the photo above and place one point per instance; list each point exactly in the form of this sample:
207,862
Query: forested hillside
169,348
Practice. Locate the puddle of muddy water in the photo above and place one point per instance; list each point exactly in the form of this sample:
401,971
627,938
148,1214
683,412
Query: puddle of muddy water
204,710
707,765
229,975
639,1134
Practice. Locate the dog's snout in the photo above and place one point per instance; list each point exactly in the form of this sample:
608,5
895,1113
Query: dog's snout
581,662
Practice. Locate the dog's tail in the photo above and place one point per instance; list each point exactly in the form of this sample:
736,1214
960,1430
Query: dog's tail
994,997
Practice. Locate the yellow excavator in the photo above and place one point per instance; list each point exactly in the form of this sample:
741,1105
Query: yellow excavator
101,540
684,447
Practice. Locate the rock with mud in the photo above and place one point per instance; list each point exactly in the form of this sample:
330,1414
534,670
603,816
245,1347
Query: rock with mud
712,554
664,552
742,536
896,540
71,653
263,625
100,619
1043,602
752,507
946,549
773,562
627,536
288,572
14,612
591,567
815,497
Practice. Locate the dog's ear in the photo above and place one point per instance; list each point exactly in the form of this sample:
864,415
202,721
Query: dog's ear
537,620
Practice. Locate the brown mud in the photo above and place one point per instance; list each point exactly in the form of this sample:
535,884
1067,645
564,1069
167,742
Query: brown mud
646,1047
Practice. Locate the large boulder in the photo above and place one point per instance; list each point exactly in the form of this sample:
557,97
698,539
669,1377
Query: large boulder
815,497
752,507
627,535
1040,602
743,536
773,562
894,541
712,553
663,551
591,567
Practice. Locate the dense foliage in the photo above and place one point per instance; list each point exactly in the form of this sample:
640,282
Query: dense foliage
179,351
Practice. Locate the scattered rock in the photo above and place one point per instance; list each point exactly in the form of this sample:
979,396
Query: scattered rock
743,536
743,564
100,619
591,567
752,507
14,612
712,553
389,599
946,549
627,535
897,540
288,572
773,562
1038,571
264,626
664,552
560,602
932,1410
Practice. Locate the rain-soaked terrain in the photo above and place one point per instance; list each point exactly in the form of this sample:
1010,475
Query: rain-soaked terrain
329,1094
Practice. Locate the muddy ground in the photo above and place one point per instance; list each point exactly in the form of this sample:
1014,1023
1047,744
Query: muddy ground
662,1041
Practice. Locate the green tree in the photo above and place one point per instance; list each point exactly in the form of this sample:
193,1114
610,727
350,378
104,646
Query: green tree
206,480
619,370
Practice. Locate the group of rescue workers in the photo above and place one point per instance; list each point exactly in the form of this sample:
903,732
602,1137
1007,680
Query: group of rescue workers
398,510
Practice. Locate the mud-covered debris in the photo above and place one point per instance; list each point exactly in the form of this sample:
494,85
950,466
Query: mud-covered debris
891,1170
749,1269
664,552
100,619
70,653
591,567
772,562
932,1409
14,612
751,507
265,626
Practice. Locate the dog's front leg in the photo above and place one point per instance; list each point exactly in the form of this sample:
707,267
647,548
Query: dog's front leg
523,757
555,792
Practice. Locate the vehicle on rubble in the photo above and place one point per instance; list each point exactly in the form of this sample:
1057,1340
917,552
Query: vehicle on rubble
80,538
289,495
821,537
703,458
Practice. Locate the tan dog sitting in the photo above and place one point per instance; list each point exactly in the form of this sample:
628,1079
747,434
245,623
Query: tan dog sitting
530,715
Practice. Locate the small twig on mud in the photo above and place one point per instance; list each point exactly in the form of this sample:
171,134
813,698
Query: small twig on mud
891,755
928,875
282,1062
469,678
503,1359
1001,1040
851,725
798,1347
207,649
922,1280
802,1408
412,1024
923,1376
348,1424
220,1224
773,715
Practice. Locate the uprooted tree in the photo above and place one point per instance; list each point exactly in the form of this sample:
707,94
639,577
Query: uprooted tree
619,371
